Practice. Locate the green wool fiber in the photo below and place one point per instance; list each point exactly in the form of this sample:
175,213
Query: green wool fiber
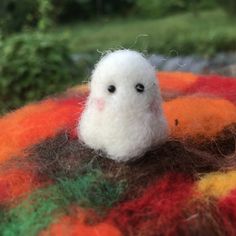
45,205
93,190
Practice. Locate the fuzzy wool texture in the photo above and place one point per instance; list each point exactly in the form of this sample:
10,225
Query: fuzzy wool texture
51,184
126,123
213,184
77,223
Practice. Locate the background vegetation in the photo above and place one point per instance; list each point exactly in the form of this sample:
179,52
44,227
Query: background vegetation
41,40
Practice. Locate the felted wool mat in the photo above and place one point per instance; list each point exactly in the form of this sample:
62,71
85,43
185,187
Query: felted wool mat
50,184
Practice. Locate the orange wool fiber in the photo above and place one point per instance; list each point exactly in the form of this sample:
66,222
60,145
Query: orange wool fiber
36,122
176,81
193,117
15,183
78,226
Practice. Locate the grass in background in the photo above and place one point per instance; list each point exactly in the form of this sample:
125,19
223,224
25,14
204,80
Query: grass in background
207,33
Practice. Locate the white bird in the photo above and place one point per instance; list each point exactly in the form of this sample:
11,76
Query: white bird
123,115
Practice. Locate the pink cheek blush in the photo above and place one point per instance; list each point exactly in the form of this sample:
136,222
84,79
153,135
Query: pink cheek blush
99,103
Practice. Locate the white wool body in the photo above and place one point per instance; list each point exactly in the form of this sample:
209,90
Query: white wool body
126,122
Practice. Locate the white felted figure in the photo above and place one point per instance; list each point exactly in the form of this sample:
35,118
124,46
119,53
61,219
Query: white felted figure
123,115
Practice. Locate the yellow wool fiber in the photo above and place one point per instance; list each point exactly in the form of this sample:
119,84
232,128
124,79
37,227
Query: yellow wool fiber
217,184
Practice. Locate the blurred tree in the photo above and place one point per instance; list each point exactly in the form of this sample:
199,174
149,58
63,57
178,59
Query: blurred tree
45,15
16,15
20,14
160,8
229,6
34,65
69,10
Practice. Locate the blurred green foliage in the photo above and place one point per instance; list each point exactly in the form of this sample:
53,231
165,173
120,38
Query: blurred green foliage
26,14
45,21
33,66
68,10
160,8
210,32
17,15
229,6
20,14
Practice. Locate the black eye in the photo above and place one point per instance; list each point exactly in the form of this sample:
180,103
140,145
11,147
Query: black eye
111,88
139,88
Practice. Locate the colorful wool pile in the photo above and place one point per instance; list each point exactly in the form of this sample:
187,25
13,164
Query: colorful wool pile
50,184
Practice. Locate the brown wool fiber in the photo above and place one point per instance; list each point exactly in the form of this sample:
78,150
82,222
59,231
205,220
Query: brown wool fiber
65,157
